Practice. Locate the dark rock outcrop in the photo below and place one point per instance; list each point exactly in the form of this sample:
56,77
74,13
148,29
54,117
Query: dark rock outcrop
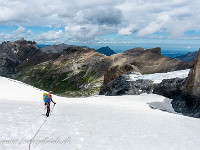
120,86
170,88
182,101
13,53
17,56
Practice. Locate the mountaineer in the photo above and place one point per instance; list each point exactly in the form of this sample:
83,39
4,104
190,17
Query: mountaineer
48,100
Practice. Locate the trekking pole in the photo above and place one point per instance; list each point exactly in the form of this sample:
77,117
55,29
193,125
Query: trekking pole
52,108
45,107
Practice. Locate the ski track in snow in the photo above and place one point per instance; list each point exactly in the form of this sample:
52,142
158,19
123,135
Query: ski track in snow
93,123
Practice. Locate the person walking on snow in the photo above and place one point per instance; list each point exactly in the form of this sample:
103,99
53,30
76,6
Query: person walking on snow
48,100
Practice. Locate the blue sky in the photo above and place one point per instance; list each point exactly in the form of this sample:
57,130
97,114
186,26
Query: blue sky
91,22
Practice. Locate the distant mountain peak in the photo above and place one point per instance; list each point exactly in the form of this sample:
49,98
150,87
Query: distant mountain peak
188,57
55,48
106,51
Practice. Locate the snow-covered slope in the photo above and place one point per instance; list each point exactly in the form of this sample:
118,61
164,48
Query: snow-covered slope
158,77
93,123
16,90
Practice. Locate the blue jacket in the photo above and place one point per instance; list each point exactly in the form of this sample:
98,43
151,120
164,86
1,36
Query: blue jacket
47,99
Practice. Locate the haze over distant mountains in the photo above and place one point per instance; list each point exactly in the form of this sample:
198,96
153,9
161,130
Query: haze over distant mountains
188,57
108,51
60,47
55,48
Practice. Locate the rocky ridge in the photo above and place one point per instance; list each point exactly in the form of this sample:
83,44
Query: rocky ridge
55,48
77,71
148,60
13,53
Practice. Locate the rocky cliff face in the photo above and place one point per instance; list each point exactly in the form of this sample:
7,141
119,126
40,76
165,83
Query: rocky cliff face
13,53
149,61
184,92
192,84
182,101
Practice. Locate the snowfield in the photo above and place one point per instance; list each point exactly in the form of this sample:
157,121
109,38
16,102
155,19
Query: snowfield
158,77
93,123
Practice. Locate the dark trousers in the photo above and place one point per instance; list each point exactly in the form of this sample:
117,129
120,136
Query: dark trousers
48,110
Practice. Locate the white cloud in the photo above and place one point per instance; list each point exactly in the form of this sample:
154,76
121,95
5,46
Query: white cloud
128,30
87,31
88,19
155,26
6,37
16,34
19,30
12,11
51,35
174,17
189,47
29,32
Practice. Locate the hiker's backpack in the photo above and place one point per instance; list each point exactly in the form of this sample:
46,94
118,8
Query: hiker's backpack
44,94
